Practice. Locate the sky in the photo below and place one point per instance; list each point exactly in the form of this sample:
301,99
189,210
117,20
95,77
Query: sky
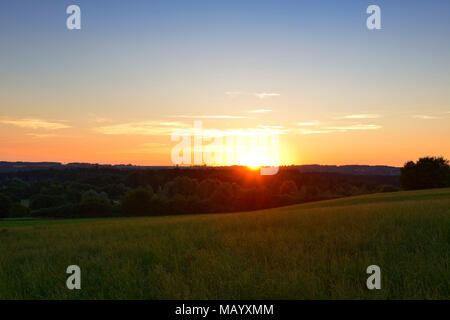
334,91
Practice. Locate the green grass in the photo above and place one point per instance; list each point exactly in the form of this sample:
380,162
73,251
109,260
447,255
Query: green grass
312,251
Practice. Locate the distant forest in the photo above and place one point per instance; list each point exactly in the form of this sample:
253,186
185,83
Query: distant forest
105,191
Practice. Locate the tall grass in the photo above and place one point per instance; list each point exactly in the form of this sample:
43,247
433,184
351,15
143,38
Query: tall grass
312,251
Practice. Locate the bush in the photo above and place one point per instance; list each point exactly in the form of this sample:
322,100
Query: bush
18,211
94,207
181,185
388,188
41,201
66,211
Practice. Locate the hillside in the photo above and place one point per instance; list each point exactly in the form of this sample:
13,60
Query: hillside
313,251
11,167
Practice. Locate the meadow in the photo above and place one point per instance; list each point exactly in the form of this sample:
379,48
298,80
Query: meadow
316,250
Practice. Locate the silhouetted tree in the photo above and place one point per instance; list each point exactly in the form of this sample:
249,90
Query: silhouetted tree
206,187
137,202
427,172
5,206
288,187
40,201
18,211
92,195
184,186
115,191
80,192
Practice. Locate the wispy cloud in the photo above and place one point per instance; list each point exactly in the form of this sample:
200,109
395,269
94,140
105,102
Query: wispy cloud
310,131
259,111
360,116
355,127
210,117
31,123
266,126
264,95
142,128
308,124
233,93
41,135
333,129
424,117
280,128
260,95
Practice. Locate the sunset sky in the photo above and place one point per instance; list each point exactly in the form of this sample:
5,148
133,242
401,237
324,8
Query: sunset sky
114,91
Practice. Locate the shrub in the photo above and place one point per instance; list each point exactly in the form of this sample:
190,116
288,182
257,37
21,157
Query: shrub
388,188
18,211
41,201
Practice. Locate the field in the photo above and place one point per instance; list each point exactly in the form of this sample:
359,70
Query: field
313,251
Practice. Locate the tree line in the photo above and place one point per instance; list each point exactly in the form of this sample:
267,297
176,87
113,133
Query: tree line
110,192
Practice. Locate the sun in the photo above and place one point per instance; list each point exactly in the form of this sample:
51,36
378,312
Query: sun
254,162
254,151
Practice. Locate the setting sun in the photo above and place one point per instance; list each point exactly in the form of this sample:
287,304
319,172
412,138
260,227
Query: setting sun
254,162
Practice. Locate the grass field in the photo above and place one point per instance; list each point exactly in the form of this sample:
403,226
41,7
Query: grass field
312,251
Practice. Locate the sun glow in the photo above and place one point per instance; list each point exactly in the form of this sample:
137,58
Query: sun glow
253,148
255,161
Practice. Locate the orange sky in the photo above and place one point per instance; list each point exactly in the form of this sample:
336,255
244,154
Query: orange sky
116,90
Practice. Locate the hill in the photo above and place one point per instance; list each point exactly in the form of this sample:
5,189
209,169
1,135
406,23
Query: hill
312,251
352,169
11,167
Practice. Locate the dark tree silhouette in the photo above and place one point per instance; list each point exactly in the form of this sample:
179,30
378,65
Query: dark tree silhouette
288,187
137,202
427,172
128,191
5,206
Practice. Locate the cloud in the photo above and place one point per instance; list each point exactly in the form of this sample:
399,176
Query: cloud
142,128
260,95
274,128
308,124
355,127
360,116
211,117
41,135
332,129
309,131
31,123
259,111
264,95
233,93
271,127
424,117
166,128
